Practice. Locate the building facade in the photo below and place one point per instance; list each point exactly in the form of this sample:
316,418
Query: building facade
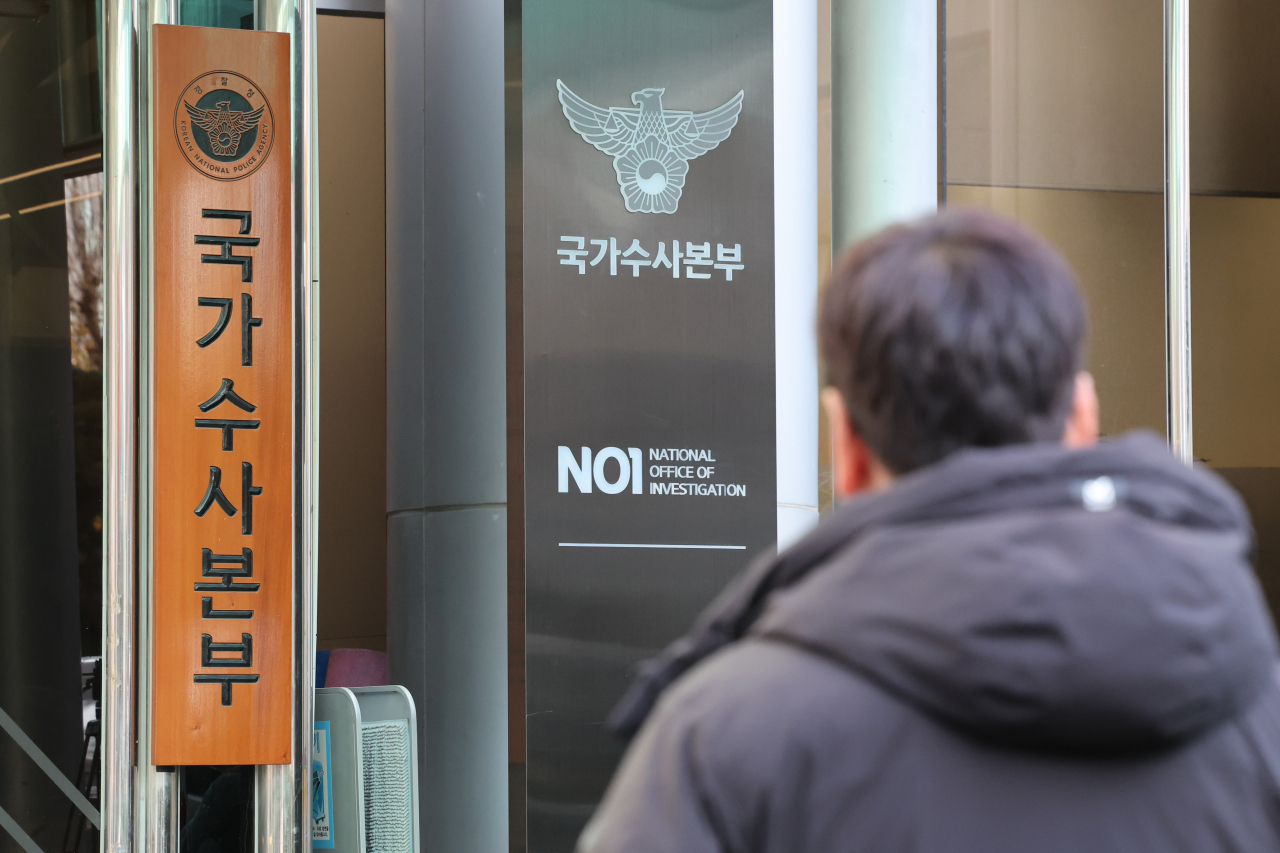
540,323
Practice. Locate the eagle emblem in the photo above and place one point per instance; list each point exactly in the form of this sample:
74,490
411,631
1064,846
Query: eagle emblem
224,125
651,146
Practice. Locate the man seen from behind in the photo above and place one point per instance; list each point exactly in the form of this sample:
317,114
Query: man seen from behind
1011,637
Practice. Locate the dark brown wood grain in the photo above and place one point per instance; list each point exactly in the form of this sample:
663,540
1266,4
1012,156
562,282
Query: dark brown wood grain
191,725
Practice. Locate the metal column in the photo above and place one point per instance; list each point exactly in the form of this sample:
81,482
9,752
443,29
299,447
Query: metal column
795,228
1177,226
119,424
156,806
446,409
281,790
884,87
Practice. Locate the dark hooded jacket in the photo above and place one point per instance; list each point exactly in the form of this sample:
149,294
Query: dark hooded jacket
1018,649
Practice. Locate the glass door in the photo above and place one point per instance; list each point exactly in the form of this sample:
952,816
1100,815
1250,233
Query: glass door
51,348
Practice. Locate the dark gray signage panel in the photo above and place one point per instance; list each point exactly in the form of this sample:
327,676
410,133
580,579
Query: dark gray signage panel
649,353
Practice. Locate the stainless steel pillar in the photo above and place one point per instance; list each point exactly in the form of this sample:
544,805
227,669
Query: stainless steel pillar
156,806
119,423
281,790
795,229
446,409
1177,226
884,98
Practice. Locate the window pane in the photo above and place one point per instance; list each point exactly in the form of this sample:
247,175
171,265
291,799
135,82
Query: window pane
1235,257
228,14
50,414
1055,117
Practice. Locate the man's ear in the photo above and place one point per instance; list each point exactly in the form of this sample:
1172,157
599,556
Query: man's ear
854,467
1082,423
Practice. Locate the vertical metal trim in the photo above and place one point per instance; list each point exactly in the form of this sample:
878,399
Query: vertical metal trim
277,16
119,425
275,804
156,808
942,103
281,789
156,803
1177,227
308,301
795,275
884,114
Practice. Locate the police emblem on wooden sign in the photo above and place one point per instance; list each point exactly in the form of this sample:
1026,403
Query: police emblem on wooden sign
222,476
224,125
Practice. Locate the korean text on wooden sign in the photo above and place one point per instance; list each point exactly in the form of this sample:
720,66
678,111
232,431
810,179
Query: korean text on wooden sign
223,410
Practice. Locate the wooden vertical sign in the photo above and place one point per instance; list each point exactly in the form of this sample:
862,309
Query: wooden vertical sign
224,397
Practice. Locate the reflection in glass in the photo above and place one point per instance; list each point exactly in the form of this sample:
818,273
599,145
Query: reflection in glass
1235,258
216,810
1055,117
50,420
84,269
79,22
227,14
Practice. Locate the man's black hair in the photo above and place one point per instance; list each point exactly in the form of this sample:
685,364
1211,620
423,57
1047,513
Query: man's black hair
963,329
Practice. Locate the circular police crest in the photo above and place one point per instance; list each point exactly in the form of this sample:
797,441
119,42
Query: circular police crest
224,125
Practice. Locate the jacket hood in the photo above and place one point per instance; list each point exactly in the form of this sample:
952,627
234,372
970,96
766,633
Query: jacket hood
1091,600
